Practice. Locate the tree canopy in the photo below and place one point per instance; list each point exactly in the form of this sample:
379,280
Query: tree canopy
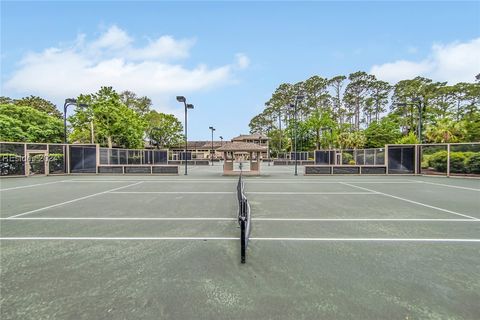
361,110
27,124
163,130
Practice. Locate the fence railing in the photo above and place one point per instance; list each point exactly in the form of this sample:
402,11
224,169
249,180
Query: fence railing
24,159
358,157
448,159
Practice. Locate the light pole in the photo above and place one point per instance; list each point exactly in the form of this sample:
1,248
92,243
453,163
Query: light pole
221,144
298,99
187,106
327,129
418,102
420,117
69,102
212,152
268,144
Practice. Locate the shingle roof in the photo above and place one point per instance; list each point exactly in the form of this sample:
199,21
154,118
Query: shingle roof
216,144
254,136
242,146
202,144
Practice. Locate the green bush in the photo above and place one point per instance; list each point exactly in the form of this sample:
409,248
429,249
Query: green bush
457,162
472,163
347,158
438,161
426,160
11,164
460,162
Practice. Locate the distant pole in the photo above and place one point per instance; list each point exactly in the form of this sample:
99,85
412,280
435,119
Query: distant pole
296,156
420,118
298,99
91,132
268,144
420,115
212,151
72,102
68,102
187,106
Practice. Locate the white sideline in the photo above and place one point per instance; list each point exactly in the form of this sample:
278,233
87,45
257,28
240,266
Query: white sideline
450,186
74,200
31,185
253,219
249,180
253,238
411,201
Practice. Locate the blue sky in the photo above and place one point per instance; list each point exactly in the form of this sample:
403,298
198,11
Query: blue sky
227,57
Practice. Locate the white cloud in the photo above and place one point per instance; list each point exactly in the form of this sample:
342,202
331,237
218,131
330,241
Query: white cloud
112,60
454,62
242,60
114,38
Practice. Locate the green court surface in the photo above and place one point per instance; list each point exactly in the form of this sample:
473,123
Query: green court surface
323,247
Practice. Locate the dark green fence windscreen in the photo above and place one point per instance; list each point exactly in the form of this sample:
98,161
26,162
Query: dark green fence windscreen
401,159
83,159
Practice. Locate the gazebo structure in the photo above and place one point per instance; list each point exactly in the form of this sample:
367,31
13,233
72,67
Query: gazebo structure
238,151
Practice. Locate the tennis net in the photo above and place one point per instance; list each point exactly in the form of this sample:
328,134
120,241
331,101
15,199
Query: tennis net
243,217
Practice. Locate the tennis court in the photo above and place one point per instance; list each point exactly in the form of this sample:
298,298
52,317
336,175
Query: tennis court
167,247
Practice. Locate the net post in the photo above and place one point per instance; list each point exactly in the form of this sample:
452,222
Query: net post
242,241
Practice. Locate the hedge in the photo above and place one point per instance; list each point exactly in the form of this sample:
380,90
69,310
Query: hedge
460,162
11,164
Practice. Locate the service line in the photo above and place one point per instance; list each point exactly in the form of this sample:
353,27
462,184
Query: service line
236,219
74,200
425,240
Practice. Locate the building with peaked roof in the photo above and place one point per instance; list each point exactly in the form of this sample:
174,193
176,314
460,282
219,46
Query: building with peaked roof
199,149
203,149
256,138
241,151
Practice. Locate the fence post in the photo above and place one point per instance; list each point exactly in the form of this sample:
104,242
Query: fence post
386,159
25,159
67,153
448,160
97,157
418,159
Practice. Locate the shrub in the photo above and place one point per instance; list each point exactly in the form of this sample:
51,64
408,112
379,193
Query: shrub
472,163
426,160
438,161
11,164
457,162
346,158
